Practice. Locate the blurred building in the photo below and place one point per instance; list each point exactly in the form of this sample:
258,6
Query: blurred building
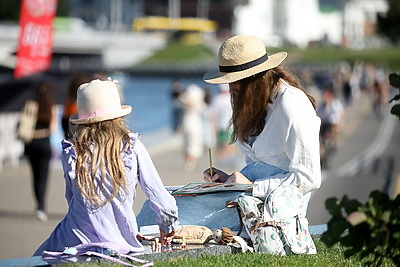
220,11
349,23
115,15
120,14
279,22
97,34
360,18
304,22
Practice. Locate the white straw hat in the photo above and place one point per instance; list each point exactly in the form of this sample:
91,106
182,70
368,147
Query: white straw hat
98,101
193,96
240,57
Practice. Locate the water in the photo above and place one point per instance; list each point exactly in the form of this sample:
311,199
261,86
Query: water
151,103
150,99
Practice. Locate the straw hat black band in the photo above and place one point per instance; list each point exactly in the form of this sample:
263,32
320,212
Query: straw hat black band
244,66
240,57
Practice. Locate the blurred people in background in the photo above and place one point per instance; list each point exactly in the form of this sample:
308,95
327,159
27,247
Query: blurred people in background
70,105
347,92
356,78
192,124
221,115
380,92
323,80
39,150
331,113
369,71
176,90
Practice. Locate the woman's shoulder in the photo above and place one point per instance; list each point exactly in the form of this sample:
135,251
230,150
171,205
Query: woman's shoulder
288,90
293,102
291,96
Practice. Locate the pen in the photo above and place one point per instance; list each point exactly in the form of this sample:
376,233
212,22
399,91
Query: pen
209,156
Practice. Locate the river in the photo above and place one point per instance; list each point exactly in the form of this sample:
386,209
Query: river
151,101
150,98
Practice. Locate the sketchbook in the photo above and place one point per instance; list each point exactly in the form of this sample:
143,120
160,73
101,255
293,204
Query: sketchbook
202,188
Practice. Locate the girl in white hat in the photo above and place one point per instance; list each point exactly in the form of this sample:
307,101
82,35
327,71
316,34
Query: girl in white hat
274,120
103,162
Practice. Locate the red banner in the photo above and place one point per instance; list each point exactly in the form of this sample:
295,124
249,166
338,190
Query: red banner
35,43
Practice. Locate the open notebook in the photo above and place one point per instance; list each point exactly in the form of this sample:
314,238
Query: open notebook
202,188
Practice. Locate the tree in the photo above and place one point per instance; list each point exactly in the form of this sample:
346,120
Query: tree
9,10
388,24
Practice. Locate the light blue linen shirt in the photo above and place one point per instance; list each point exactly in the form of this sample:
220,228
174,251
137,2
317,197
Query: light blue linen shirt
114,222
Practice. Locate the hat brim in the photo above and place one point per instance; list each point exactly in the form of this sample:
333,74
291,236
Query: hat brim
217,77
125,110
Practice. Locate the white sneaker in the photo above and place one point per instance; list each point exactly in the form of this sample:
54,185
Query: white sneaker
41,215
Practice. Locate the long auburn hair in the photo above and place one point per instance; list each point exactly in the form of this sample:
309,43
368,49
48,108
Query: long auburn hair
250,103
44,98
98,147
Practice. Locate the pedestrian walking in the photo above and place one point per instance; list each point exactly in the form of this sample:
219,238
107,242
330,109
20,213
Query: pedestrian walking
39,149
192,124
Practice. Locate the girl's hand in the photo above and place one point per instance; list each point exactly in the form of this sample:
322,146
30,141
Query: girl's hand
140,237
238,178
217,177
166,238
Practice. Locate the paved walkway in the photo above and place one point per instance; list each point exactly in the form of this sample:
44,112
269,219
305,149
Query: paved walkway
21,233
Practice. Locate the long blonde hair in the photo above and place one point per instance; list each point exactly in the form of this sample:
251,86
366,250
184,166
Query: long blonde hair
98,147
250,103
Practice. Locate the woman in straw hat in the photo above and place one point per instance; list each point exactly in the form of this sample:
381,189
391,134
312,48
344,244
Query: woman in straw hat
274,120
103,162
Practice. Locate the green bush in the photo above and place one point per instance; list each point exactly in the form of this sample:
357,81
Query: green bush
369,229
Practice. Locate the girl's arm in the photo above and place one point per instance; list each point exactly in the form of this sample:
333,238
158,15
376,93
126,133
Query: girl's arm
161,201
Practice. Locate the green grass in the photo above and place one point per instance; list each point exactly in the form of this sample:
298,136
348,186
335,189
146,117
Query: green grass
176,51
388,57
325,257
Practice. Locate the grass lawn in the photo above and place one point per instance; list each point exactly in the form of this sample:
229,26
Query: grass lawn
177,51
325,257
388,57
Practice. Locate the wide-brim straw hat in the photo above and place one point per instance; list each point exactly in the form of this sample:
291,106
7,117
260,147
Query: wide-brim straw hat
98,101
240,57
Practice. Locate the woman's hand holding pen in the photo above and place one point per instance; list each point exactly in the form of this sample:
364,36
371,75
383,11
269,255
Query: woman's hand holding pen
218,176
222,177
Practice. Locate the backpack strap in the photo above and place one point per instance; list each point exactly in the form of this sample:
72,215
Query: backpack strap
266,224
235,204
